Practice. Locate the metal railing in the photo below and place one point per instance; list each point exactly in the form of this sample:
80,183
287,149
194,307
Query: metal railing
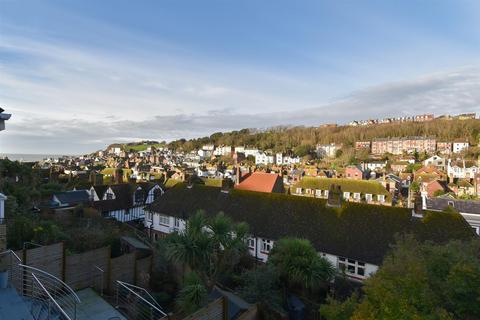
100,273
48,294
136,303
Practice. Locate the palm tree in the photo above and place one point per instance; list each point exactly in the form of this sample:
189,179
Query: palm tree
299,263
193,294
208,246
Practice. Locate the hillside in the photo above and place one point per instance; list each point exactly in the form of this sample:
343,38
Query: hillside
283,139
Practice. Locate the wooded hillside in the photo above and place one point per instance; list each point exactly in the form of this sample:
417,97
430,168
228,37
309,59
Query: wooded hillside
285,139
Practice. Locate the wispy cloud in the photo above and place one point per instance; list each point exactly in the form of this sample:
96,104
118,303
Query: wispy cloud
449,92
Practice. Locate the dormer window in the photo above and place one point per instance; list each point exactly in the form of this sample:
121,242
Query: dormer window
451,204
109,196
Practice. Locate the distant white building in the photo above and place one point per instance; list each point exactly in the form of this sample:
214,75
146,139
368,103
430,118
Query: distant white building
263,158
223,151
240,149
328,150
462,169
373,166
435,161
208,147
460,145
286,160
251,152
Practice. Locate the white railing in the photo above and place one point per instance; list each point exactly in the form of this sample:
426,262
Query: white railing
46,292
136,303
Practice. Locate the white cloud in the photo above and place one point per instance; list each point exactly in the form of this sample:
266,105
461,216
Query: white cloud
448,92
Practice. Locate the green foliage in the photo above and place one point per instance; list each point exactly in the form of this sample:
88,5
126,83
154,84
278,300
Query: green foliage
281,139
262,285
299,263
193,295
336,310
414,187
420,281
303,150
208,246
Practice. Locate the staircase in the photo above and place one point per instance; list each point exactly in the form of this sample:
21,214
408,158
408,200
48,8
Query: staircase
44,296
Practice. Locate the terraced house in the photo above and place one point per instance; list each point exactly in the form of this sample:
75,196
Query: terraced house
371,192
354,237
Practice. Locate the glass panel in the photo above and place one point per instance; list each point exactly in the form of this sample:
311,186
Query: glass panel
361,271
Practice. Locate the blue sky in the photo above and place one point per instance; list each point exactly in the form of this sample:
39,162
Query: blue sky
78,75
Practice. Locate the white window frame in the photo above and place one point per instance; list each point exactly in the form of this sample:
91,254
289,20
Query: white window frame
318,193
357,196
176,222
352,267
266,245
346,195
381,197
164,220
368,197
251,243
299,190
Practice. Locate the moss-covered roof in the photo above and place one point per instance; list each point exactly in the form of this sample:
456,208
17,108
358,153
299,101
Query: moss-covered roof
347,185
357,231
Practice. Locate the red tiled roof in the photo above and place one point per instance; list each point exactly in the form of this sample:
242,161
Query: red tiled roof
259,181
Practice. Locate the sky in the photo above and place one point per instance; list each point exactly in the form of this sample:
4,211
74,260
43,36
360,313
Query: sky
79,75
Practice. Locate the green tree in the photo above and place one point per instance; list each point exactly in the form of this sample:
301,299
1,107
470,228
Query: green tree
262,285
193,294
208,246
335,310
299,263
422,281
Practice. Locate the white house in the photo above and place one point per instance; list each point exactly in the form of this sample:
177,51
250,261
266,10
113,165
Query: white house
373,166
263,158
251,152
223,151
259,247
239,149
436,161
462,169
460,145
328,150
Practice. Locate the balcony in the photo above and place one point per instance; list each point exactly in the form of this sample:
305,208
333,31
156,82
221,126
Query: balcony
28,293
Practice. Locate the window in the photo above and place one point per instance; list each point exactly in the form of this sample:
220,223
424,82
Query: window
326,193
356,195
318,193
251,243
351,267
266,245
381,197
346,195
368,197
176,222
139,196
451,203
299,190
476,230
162,219
157,193
109,196
148,216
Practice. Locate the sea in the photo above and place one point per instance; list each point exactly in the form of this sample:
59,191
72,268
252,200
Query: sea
25,157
